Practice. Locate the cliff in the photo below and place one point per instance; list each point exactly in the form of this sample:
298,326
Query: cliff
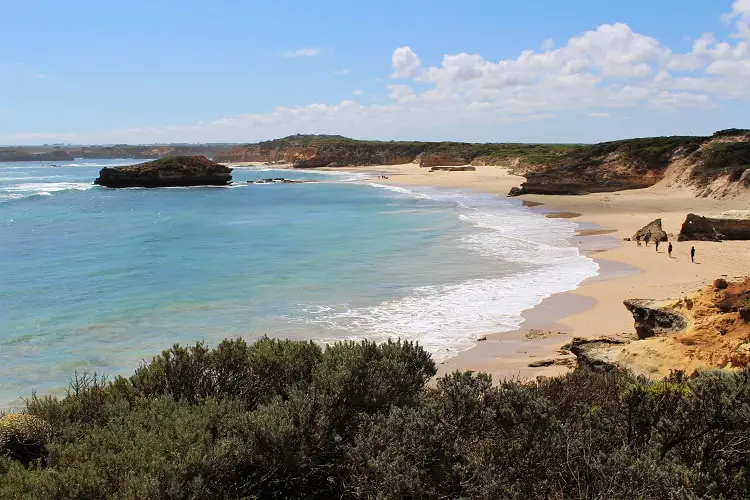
7,154
167,172
119,151
310,151
713,166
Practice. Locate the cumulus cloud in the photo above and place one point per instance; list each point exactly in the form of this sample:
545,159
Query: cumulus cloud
405,63
303,52
548,44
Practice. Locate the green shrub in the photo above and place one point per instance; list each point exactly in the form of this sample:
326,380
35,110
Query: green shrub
282,419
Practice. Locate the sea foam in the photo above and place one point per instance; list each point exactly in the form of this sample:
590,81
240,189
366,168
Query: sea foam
447,319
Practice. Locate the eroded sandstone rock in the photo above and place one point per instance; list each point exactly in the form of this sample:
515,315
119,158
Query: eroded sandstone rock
651,320
654,230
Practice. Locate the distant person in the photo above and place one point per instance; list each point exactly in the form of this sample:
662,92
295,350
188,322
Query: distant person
669,249
692,255
638,240
646,238
657,244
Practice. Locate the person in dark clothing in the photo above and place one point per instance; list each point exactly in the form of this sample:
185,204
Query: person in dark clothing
646,238
657,244
692,255
669,249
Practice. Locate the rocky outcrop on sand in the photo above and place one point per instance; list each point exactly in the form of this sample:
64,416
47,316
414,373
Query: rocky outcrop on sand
653,319
698,228
654,231
596,353
465,168
168,172
441,159
708,329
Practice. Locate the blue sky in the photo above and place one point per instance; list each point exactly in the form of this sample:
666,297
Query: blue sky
501,71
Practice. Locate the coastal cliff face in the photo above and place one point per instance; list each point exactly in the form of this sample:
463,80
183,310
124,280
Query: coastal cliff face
25,155
311,151
697,228
714,166
168,172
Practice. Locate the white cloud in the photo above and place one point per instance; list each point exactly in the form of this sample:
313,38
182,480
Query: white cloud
548,44
303,52
595,74
405,63
401,93
342,72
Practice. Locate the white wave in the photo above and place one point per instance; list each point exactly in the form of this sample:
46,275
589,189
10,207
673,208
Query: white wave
48,187
42,178
252,168
400,190
447,319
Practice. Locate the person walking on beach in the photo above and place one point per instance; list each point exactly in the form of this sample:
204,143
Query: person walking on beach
638,240
692,255
669,249
646,238
657,244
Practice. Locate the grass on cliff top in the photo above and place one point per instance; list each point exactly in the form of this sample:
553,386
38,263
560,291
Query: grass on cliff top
283,419
177,162
532,153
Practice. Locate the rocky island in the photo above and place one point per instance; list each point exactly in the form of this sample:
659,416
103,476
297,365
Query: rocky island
174,171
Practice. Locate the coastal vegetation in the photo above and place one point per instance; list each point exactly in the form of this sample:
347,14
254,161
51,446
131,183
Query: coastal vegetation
284,419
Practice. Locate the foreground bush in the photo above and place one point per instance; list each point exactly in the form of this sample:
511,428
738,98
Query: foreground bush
356,420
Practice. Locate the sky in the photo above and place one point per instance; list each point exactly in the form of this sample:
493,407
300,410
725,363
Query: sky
156,71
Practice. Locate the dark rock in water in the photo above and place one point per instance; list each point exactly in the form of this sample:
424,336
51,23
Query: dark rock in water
653,321
700,228
654,231
276,180
515,191
168,172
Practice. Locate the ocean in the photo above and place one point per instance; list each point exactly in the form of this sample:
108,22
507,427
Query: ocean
102,280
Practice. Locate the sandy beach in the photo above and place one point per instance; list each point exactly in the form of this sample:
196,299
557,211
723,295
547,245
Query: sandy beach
626,270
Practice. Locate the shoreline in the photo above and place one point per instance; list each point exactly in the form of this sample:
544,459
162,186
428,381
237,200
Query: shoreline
595,307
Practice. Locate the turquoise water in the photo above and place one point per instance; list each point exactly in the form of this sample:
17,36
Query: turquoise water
101,279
